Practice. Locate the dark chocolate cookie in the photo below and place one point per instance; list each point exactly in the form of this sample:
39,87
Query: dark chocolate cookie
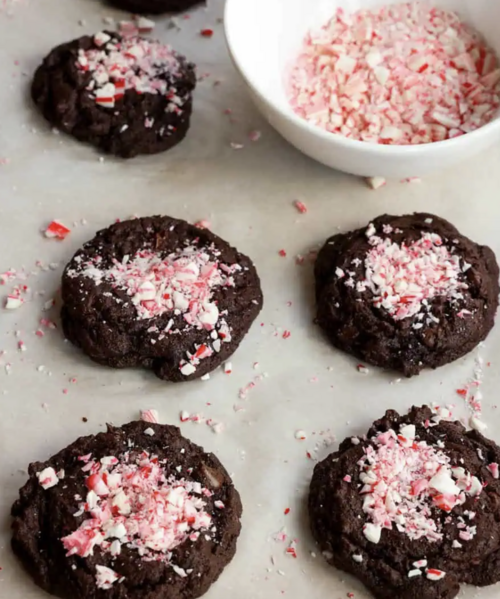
125,95
413,509
137,512
406,292
155,7
159,293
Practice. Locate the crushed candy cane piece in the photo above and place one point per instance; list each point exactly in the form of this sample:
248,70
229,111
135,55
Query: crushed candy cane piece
207,32
254,135
12,302
376,182
105,577
292,549
300,435
48,478
493,468
57,230
145,25
435,575
477,424
372,532
301,207
150,416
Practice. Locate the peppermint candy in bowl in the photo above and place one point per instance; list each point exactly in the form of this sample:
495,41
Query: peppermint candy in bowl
394,90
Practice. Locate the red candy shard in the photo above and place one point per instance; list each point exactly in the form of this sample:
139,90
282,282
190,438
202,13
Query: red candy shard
57,230
301,207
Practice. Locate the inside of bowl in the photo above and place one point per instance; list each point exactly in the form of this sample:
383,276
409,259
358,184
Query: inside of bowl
266,35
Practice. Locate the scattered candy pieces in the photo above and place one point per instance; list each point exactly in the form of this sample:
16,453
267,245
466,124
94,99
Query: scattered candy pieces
206,32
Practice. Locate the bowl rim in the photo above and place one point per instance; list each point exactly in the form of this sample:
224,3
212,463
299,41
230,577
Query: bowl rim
329,137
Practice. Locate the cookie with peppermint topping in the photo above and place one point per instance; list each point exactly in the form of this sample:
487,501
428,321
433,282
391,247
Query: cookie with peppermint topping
159,293
406,292
125,95
412,509
133,513
155,7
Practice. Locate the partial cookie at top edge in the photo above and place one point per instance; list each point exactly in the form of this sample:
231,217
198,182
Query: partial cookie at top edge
155,7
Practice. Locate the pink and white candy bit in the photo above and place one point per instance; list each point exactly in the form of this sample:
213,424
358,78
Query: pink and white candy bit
130,63
105,577
182,282
150,416
402,74
404,278
403,479
48,478
131,501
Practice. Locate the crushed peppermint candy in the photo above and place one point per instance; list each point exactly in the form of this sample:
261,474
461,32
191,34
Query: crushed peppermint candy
131,502
131,63
182,282
150,416
48,478
405,278
56,230
434,575
401,74
105,577
404,479
301,207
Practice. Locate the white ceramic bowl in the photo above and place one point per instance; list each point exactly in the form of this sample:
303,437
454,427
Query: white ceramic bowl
264,36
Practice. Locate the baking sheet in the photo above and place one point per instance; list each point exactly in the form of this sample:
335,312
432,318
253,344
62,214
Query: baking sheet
247,195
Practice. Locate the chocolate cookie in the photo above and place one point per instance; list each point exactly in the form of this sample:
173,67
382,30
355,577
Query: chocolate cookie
406,292
155,7
138,512
125,95
159,293
413,509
